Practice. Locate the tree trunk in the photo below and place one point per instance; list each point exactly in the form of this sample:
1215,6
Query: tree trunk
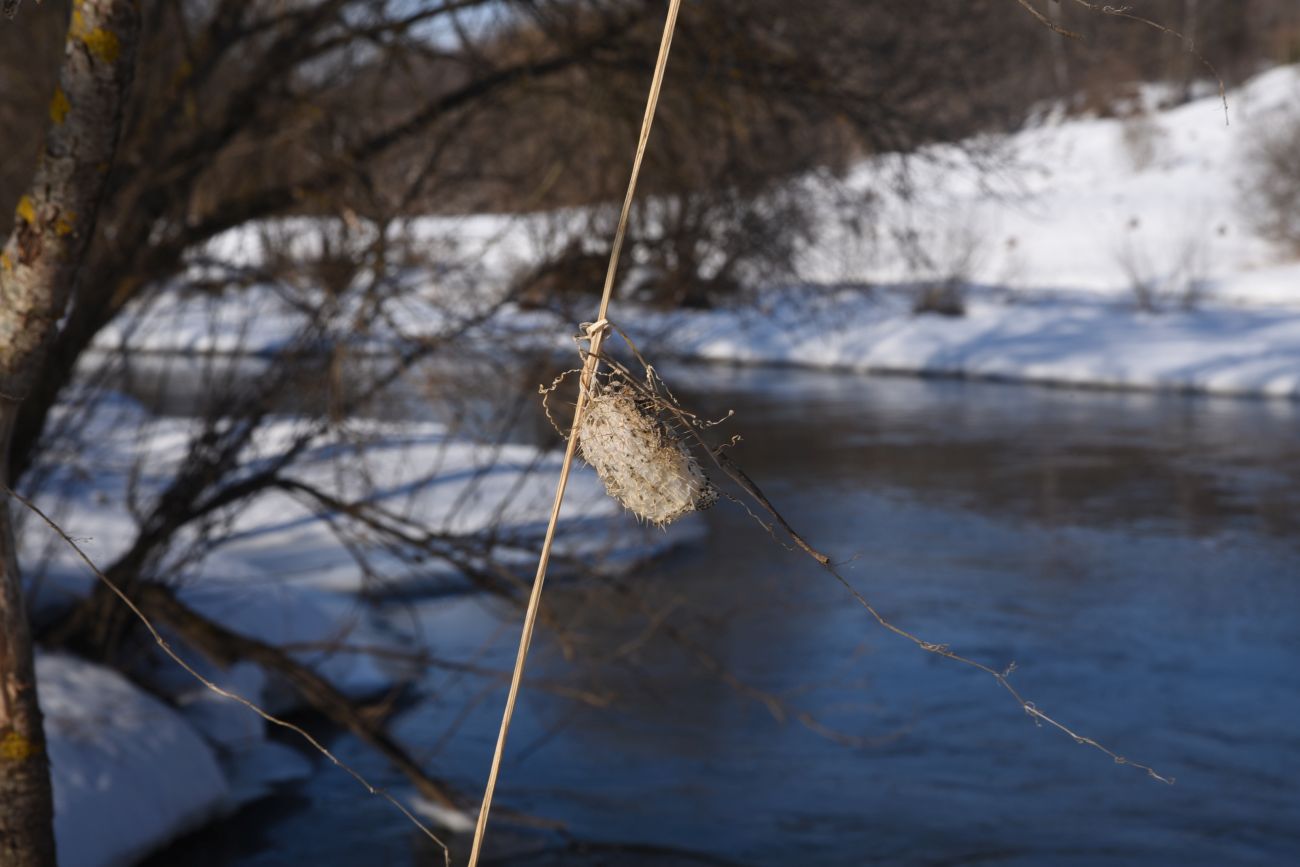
38,267
26,804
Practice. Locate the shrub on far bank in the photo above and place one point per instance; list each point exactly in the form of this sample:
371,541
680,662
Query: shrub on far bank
1272,184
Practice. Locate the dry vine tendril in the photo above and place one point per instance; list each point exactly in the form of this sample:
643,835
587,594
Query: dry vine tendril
166,647
682,429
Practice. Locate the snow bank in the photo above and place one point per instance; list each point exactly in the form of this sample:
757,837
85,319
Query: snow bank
129,773
1214,350
1075,206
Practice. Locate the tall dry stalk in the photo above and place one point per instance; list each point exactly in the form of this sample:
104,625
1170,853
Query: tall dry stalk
595,335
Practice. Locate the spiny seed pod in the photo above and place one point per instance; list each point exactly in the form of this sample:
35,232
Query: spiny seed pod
642,465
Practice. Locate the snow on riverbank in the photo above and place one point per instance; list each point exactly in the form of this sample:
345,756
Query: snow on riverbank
446,485
1084,207
1083,210
131,772
1214,350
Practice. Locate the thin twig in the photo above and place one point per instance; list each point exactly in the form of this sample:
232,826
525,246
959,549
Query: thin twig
222,691
1188,43
1127,13
1049,23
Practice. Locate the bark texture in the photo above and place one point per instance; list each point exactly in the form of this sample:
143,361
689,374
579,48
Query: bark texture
26,803
55,219
38,268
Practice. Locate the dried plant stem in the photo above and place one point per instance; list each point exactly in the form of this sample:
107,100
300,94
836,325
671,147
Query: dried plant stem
525,640
596,335
1049,23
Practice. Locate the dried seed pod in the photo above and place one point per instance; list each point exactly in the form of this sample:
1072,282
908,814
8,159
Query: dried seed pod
642,465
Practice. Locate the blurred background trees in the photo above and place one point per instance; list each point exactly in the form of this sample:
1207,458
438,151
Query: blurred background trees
247,111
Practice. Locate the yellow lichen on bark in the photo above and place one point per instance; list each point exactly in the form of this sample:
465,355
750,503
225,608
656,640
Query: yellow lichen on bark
26,210
103,44
59,106
16,748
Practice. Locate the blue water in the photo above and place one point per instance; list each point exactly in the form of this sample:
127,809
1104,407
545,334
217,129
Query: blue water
1137,556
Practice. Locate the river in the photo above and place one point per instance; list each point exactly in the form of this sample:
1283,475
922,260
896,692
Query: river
1136,555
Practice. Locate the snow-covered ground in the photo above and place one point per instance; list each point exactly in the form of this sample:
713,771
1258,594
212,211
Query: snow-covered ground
1059,341
1084,206
1052,236
128,771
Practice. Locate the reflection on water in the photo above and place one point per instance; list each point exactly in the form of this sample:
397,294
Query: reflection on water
1136,555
